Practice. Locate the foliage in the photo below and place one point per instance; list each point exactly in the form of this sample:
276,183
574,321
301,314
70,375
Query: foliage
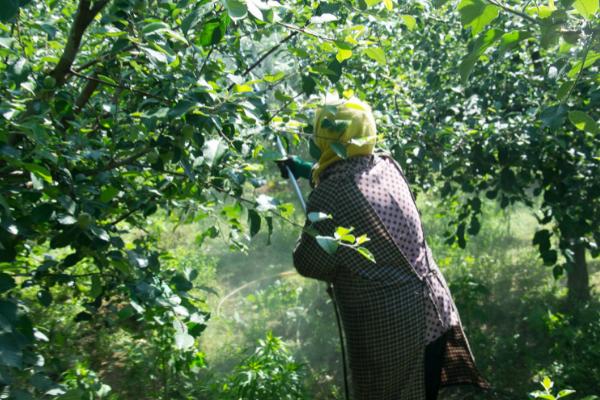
547,393
114,111
81,383
341,237
546,139
270,373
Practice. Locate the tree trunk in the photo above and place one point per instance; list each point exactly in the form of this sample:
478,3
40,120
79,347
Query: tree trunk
578,279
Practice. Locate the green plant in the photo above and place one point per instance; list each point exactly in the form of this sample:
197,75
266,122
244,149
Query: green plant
81,383
548,393
270,373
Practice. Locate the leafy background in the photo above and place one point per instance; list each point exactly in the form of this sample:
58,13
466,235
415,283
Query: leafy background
136,143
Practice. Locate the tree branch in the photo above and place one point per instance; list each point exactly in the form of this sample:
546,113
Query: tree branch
143,93
101,58
580,72
115,164
306,32
86,94
515,12
265,55
86,13
253,203
205,60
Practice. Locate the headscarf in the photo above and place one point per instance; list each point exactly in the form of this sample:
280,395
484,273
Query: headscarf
347,123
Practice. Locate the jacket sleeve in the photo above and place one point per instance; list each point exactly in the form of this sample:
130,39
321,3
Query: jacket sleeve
301,168
310,259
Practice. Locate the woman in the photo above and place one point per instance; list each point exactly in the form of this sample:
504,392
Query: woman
403,332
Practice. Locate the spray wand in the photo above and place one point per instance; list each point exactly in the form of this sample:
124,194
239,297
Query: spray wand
292,177
329,284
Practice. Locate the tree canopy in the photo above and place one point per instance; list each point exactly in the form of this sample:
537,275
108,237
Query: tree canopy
113,110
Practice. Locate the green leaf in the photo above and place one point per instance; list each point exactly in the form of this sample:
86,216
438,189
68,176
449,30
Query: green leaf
483,42
547,383
6,282
341,231
362,239
587,8
542,239
316,216
39,171
554,117
8,10
314,150
212,32
265,203
583,122
275,77
190,21
213,151
544,396
327,243
348,238
564,89
477,14
254,8
181,283
377,54
108,193
366,253
542,11
44,297
66,220
183,340
308,84
339,149
254,222
100,233
323,18
591,58
153,27
511,39
550,257
409,21
343,55
557,271
236,9
11,354
565,393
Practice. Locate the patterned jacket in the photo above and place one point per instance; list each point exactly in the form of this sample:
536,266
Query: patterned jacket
383,305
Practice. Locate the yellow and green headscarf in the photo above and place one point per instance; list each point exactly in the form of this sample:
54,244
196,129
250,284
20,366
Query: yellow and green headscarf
345,126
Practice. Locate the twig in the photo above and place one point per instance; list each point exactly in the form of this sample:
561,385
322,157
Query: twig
306,32
103,57
252,202
265,55
588,46
205,60
515,12
130,159
143,93
127,214
283,107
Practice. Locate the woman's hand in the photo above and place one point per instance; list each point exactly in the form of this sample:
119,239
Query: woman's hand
285,165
